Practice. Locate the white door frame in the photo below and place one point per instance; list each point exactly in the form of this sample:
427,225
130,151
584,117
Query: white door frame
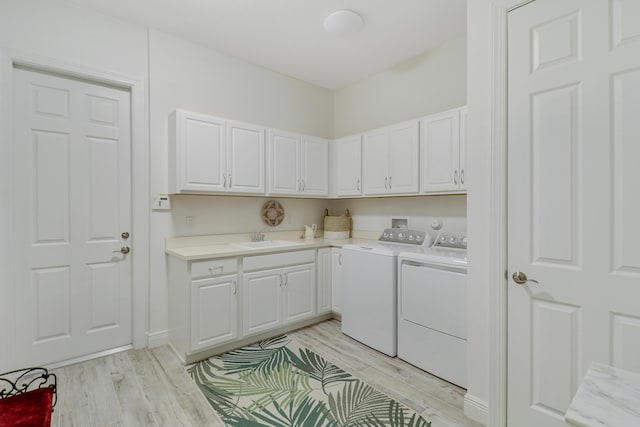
139,183
498,215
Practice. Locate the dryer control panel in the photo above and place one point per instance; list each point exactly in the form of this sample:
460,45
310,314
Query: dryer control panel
450,239
406,236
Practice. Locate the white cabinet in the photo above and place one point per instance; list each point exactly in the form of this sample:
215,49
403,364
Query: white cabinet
297,164
280,291
336,280
347,166
390,160
214,309
323,281
204,303
443,150
213,155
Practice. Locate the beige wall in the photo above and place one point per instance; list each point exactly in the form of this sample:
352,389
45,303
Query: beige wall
428,83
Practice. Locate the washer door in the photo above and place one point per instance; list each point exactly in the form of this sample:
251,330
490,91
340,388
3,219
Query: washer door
434,298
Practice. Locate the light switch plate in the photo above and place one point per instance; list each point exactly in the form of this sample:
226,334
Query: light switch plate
160,202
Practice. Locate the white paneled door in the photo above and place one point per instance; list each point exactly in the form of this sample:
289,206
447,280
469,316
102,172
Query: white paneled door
574,228
71,213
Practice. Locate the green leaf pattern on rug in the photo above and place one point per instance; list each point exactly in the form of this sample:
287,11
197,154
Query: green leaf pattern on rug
278,383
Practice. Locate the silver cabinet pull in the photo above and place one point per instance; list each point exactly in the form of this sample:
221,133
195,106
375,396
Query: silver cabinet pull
212,270
386,182
281,280
123,250
461,176
390,182
304,185
286,279
229,179
340,259
358,185
224,183
520,278
455,176
235,287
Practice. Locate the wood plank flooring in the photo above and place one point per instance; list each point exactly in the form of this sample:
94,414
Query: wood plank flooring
150,387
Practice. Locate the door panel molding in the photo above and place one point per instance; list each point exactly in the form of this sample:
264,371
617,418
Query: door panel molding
136,85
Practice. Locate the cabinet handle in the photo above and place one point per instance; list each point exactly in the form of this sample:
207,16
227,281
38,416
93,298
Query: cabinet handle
340,259
224,184
358,185
299,185
455,176
286,279
213,269
386,182
390,182
281,281
235,287
229,180
304,185
461,176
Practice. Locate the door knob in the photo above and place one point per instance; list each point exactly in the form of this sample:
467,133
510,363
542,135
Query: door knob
125,235
123,250
520,278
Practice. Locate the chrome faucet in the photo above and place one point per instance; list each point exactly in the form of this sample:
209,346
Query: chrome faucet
259,236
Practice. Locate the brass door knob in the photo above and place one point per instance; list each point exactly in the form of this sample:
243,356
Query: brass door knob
123,250
125,235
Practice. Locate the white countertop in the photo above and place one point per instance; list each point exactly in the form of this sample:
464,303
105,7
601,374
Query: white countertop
220,246
608,397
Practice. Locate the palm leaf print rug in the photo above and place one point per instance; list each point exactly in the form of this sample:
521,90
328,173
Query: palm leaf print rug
279,383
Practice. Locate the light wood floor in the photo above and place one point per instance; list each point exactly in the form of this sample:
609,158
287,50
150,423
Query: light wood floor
150,387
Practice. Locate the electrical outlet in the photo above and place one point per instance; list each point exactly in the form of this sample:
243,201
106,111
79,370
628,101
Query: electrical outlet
188,221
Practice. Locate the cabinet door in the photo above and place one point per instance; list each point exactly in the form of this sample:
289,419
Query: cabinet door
336,280
299,292
262,299
284,163
347,166
323,282
245,154
201,162
214,311
404,163
440,144
375,161
463,149
314,166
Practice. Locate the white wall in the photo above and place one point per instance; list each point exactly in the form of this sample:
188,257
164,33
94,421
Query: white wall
189,76
428,83
479,83
375,214
69,36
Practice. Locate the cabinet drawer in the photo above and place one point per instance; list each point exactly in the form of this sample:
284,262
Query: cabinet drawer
260,262
215,267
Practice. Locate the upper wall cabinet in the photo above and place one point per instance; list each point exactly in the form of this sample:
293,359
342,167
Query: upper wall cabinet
347,166
443,148
390,160
297,164
212,155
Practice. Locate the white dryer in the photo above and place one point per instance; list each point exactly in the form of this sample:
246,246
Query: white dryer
432,308
369,273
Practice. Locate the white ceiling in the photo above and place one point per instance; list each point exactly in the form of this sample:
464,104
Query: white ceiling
287,35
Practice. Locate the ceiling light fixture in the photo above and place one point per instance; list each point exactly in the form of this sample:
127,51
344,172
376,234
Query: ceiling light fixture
343,22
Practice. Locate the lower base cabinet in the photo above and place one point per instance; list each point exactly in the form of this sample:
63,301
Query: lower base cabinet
214,306
215,303
279,296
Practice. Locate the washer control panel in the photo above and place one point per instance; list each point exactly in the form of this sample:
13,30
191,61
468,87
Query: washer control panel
451,239
403,235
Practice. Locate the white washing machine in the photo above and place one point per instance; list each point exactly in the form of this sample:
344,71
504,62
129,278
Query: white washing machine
432,308
369,272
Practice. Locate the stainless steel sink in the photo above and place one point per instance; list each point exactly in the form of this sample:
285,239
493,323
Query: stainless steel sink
266,244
